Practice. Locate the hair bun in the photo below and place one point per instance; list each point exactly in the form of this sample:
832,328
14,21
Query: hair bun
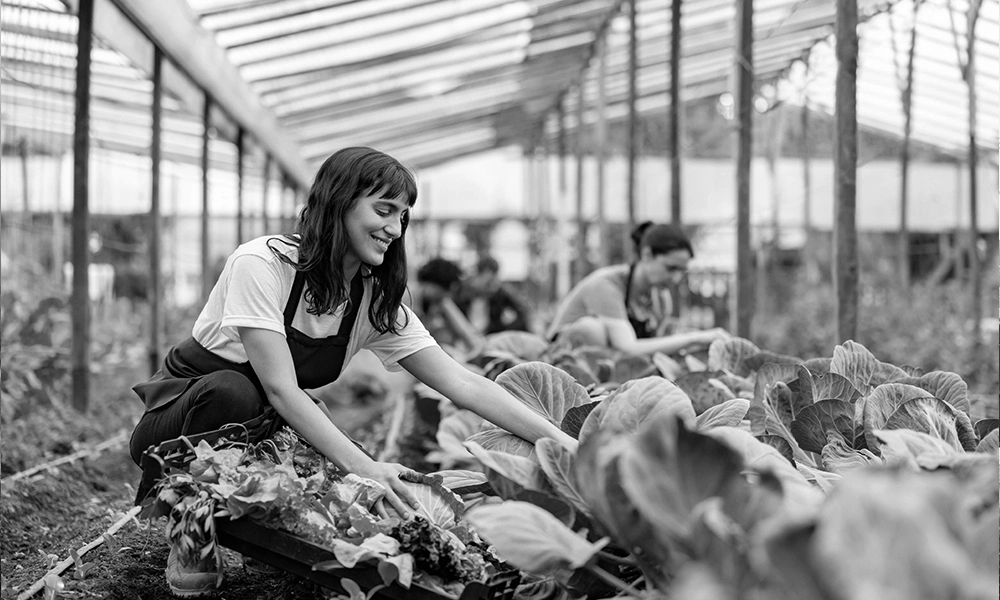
638,230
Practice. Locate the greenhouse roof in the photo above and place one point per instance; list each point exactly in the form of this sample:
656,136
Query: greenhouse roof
432,80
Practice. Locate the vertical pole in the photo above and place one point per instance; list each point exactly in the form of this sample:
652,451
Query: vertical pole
807,191
155,280
581,226
633,119
239,185
974,270
903,251
206,258
562,266
744,147
674,110
80,299
845,258
58,225
561,146
601,139
265,181
24,236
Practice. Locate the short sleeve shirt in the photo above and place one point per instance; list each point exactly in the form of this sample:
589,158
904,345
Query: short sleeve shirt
252,292
600,294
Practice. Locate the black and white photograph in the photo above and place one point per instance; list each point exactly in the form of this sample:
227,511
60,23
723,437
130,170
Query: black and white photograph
500,299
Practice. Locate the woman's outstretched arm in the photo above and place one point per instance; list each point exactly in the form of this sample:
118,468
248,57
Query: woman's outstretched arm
480,395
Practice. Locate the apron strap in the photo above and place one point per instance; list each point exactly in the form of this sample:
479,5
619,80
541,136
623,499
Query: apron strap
293,297
357,291
347,322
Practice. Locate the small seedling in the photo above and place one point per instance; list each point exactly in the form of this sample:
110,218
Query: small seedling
82,568
50,559
53,586
112,542
354,591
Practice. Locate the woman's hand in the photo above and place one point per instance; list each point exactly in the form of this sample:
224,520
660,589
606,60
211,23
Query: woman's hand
390,475
716,333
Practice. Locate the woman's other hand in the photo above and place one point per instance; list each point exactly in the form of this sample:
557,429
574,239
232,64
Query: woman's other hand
715,333
391,475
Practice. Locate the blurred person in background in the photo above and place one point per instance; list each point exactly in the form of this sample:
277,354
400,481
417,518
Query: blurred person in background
492,305
287,314
620,306
437,301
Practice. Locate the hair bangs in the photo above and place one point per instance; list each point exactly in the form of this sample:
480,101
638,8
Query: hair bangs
391,183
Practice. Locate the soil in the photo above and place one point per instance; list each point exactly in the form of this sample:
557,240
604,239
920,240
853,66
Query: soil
45,517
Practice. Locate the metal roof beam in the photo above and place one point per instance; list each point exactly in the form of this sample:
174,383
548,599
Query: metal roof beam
362,32
171,25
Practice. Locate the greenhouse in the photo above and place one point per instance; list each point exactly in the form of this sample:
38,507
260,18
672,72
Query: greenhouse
495,299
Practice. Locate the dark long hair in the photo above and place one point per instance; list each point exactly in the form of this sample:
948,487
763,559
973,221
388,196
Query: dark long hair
322,238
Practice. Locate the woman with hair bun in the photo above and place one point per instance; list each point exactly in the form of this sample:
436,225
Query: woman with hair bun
287,314
614,306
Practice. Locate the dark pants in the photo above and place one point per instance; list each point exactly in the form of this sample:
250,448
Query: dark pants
215,400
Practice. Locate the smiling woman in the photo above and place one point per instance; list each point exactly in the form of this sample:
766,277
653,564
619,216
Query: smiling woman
288,313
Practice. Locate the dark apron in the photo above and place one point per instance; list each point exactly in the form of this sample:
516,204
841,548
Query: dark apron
641,328
317,361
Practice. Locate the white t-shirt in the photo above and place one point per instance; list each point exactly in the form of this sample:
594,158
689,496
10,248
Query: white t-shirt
252,292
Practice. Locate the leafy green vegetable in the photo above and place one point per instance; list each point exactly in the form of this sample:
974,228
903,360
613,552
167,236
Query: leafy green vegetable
778,443
545,389
575,417
811,387
944,386
882,402
900,534
937,418
914,449
532,539
984,426
437,552
636,402
767,402
522,344
503,469
765,357
727,414
990,443
498,440
705,389
599,481
839,457
628,367
436,503
800,497
815,424
452,432
729,355
669,470
457,480
861,368
558,463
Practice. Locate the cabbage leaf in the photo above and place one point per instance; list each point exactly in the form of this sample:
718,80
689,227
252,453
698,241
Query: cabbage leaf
635,402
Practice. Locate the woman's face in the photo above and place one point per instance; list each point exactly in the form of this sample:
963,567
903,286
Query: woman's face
372,224
661,270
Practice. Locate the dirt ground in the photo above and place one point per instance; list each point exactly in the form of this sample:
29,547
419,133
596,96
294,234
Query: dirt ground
45,517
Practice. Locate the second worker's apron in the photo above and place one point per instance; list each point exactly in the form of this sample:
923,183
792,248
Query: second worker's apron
641,328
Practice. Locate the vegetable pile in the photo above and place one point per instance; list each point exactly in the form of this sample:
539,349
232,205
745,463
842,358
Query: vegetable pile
283,483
